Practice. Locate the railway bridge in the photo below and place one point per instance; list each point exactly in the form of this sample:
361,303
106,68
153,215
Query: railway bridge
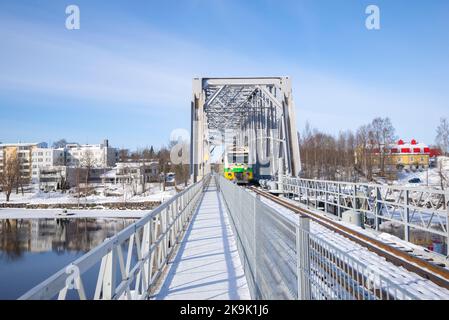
303,239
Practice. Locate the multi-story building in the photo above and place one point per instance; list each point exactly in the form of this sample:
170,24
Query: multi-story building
92,155
21,151
36,159
45,158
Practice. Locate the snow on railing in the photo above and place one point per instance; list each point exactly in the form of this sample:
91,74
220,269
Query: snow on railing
127,265
420,209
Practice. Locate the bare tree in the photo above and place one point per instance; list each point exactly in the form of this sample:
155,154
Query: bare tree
87,162
365,138
442,138
383,134
10,176
123,155
179,153
163,157
444,180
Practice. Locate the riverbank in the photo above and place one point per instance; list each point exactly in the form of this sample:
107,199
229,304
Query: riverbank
12,213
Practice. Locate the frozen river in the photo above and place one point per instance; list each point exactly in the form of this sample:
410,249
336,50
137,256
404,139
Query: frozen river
31,250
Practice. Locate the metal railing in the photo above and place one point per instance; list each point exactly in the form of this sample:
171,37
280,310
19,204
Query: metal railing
413,209
127,265
283,259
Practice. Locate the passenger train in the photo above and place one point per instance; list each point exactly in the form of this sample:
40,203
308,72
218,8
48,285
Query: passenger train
236,165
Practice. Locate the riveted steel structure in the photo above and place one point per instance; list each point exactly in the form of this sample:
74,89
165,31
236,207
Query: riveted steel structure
256,112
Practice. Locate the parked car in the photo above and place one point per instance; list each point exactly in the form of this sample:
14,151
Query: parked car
415,180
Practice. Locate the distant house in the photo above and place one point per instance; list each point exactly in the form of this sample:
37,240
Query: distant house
136,172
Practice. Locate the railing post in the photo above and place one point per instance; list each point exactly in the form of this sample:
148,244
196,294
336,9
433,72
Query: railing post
326,197
145,249
407,216
378,207
256,199
303,258
109,276
307,195
339,200
446,198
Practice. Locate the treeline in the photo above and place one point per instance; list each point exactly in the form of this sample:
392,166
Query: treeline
347,156
352,155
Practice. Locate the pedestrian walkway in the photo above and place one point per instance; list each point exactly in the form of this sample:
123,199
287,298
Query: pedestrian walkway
207,264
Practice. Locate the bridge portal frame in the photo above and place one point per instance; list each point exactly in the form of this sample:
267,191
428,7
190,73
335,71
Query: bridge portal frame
260,106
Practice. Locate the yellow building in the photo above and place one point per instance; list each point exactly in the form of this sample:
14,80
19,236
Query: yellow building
23,152
410,156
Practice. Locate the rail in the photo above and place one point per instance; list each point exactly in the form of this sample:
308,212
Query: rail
283,259
413,209
127,265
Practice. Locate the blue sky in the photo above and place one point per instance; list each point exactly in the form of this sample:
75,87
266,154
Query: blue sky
127,73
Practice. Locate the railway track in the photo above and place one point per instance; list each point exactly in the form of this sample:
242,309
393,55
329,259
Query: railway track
413,263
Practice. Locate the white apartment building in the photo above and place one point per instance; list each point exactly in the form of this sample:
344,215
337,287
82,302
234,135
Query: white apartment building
98,155
45,158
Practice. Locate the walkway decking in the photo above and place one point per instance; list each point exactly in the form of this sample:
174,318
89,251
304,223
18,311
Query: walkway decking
207,265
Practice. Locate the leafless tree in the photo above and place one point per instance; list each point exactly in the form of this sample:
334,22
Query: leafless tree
80,176
383,134
180,150
365,138
123,155
442,138
10,176
87,162
163,157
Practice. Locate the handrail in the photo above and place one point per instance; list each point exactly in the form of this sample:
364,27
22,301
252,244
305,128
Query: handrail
137,254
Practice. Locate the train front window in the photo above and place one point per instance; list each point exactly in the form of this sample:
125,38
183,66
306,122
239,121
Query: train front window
238,158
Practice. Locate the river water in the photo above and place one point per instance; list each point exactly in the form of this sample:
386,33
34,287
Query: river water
33,250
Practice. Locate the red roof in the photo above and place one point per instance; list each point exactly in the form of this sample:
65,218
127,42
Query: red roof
435,152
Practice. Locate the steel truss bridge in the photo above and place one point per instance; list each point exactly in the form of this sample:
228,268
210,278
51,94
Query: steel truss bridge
218,240
254,112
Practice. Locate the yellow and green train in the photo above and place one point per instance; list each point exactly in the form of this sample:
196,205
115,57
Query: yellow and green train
236,167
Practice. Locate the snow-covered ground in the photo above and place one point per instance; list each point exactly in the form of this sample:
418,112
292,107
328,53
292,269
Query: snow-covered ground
154,193
432,176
